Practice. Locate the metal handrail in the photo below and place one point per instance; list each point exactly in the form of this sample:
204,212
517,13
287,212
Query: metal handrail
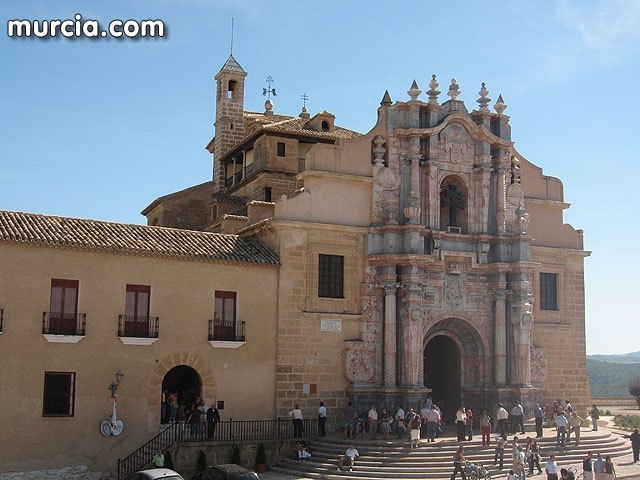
57,323
138,326
226,331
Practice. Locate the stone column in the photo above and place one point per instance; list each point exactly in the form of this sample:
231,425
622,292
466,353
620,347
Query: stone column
390,334
411,315
500,337
501,200
433,201
522,321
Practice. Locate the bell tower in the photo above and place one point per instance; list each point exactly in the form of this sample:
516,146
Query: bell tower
229,125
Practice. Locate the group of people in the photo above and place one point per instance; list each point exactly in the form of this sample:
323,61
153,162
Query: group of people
196,415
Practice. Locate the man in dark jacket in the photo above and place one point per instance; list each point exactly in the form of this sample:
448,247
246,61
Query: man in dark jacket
213,417
635,444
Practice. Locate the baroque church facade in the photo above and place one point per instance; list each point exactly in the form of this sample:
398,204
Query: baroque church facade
426,256
460,277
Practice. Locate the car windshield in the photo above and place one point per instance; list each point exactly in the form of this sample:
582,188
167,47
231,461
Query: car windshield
172,477
243,476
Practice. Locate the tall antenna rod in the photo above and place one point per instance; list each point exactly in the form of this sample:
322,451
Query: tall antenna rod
231,36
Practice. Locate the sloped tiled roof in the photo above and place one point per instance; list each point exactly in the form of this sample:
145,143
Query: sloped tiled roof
222,197
297,126
232,65
121,238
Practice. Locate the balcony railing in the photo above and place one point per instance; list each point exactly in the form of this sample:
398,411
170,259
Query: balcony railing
1,318
56,323
226,331
138,326
237,177
228,182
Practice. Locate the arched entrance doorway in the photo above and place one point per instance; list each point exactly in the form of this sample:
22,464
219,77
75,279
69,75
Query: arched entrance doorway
185,382
442,374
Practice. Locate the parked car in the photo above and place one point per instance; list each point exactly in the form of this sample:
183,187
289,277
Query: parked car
228,471
157,473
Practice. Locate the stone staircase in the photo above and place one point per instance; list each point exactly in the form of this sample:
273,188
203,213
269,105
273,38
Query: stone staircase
394,459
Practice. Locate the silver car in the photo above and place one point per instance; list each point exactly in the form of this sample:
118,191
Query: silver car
156,473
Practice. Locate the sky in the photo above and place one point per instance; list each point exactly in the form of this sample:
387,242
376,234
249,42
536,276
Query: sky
99,128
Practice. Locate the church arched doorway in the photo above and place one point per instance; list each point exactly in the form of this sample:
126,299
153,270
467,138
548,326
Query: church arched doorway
185,382
442,374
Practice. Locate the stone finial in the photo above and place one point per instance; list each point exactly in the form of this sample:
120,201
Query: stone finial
500,106
379,151
484,99
304,114
454,89
268,107
386,99
414,91
433,92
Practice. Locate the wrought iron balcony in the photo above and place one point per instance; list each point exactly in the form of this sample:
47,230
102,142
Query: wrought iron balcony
228,182
226,331
237,177
138,326
56,323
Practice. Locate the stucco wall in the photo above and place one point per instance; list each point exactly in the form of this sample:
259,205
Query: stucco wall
182,295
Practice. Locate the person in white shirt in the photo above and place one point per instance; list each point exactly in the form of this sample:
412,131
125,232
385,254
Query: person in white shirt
373,422
296,414
501,417
461,417
551,468
322,419
349,458
433,418
401,428
511,475
575,422
561,424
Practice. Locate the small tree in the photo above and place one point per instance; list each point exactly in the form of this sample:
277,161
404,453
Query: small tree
235,455
202,461
634,389
261,455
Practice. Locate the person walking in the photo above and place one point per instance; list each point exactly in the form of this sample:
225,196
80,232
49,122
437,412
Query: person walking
401,428
609,469
517,418
587,466
458,462
595,416
485,428
213,418
461,417
598,468
501,444
173,407
296,414
322,419
551,468
373,422
518,464
635,444
533,455
575,423
415,424
538,416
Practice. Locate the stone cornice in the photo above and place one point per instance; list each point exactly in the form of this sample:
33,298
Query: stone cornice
562,251
547,203
478,132
342,177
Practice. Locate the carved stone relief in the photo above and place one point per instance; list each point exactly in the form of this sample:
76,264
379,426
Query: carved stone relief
359,361
454,290
457,145
538,365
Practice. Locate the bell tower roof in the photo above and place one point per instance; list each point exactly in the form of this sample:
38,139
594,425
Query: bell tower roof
232,65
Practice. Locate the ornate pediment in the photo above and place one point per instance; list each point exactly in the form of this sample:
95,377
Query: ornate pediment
457,145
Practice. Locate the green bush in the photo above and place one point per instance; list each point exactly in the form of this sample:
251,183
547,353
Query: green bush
235,455
202,461
261,455
168,461
627,421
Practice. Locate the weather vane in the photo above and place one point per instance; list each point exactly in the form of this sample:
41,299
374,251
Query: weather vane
304,98
269,91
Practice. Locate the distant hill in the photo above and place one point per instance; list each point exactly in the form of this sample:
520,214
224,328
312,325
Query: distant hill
609,375
633,357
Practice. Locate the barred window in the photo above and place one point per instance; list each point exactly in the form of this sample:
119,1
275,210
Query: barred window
331,276
59,394
548,291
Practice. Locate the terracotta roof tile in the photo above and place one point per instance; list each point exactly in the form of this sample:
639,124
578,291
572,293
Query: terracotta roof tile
297,126
222,197
121,238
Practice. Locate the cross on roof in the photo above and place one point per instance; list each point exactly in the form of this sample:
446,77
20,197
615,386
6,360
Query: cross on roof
269,91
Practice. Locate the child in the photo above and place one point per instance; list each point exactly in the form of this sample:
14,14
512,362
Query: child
512,475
